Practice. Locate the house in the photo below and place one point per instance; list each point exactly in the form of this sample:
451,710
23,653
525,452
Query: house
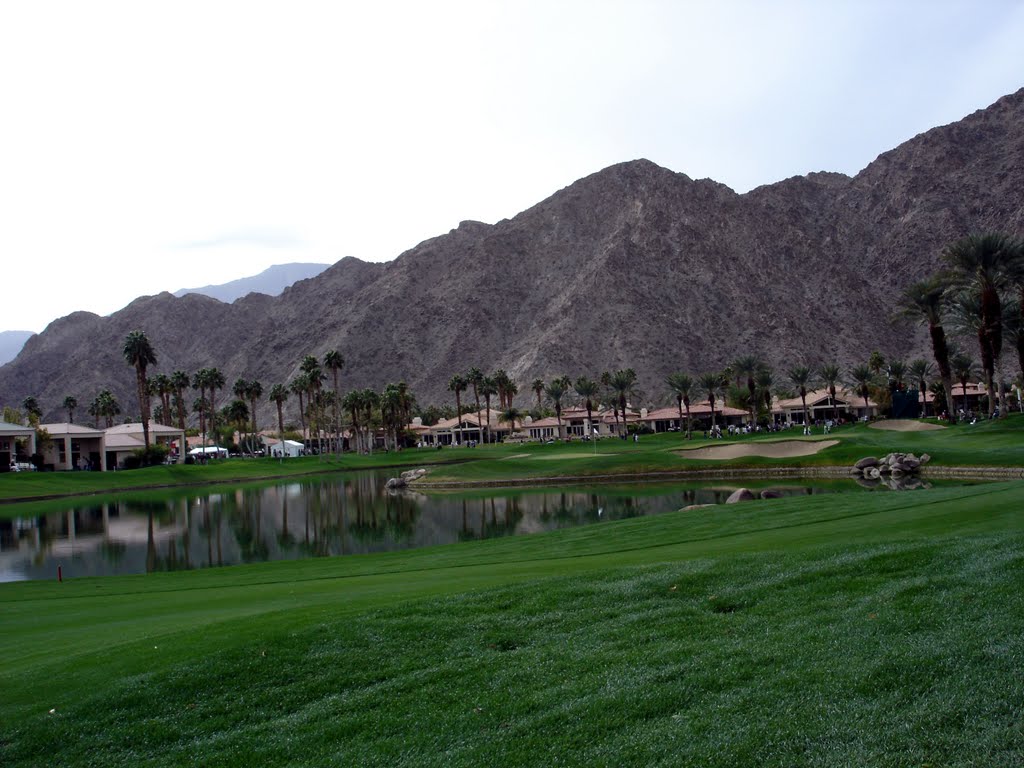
821,406
9,436
667,419
467,427
125,439
74,446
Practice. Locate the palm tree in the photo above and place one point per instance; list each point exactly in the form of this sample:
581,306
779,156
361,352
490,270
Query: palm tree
298,388
861,377
352,402
199,379
923,301
179,381
278,394
254,392
70,403
747,367
457,384
555,391
711,385
162,388
623,384
538,389
334,363
830,375
241,391
681,385
391,412
765,381
897,369
32,409
370,400
488,388
800,375
921,370
588,389
510,416
876,362
963,370
985,264
215,380
138,352
105,405
237,413
475,378
315,376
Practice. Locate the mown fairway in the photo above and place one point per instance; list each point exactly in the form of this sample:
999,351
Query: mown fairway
877,629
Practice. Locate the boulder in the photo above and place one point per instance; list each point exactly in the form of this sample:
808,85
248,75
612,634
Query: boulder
740,494
872,473
395,482
771,493
867,461
925,458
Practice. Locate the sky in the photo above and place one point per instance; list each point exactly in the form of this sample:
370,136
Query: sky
147,147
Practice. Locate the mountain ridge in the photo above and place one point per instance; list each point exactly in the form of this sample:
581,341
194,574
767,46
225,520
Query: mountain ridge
634,265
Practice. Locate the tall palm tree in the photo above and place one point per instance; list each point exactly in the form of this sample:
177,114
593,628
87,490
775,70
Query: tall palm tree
215,380
681,385
254,392
862,377
180,382
711,385
924,301
488,388
623,383
800,375
475,378
921,371
588,389
876,362
830,375
138,353
370,401
163,389
278,394
298,387
199,379
765,382
334,362
315,376
457,384
746,368
241,391
353,403
555,391
963,370
538,389
985,264
897,370
70,403
32,409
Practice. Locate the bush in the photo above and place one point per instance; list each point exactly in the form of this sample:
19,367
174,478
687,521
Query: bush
155,456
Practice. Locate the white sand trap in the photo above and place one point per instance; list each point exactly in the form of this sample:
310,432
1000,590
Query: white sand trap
516,456
786,449
905,425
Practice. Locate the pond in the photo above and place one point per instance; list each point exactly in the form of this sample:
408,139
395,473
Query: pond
341,514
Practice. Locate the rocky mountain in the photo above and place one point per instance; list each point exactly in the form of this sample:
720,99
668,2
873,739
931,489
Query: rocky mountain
11,343
270,281
632,266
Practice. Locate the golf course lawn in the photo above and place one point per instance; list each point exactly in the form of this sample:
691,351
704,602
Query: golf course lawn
841,630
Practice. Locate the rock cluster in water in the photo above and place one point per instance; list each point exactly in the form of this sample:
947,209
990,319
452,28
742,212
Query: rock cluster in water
898,471
404,479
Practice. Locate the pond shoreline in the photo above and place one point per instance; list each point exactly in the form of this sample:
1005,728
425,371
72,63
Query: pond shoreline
762,473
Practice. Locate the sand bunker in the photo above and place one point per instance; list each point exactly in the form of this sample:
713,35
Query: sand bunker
905,425
783,450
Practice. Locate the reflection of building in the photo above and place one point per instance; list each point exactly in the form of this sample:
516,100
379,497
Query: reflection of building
74,446
9,435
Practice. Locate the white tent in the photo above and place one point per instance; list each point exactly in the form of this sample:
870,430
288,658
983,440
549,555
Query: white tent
289,448
214,451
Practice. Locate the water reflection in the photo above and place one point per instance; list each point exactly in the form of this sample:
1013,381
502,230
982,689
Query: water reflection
336,515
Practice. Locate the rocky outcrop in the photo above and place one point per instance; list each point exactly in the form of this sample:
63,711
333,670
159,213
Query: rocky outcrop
634,266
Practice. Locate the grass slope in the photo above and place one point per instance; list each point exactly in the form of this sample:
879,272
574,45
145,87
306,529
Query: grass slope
845,630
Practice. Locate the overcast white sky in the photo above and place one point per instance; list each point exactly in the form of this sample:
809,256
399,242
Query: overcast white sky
148,147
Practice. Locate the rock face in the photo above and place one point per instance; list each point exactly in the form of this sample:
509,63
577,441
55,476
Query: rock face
633,266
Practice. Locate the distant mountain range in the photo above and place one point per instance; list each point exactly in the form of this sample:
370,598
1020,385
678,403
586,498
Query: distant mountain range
270,281
632,266
11,343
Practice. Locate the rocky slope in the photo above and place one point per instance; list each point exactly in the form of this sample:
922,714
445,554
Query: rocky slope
632,266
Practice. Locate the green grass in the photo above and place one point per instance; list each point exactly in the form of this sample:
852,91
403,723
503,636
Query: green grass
986,444
861,629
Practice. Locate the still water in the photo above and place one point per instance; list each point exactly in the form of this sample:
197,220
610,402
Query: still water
333,515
